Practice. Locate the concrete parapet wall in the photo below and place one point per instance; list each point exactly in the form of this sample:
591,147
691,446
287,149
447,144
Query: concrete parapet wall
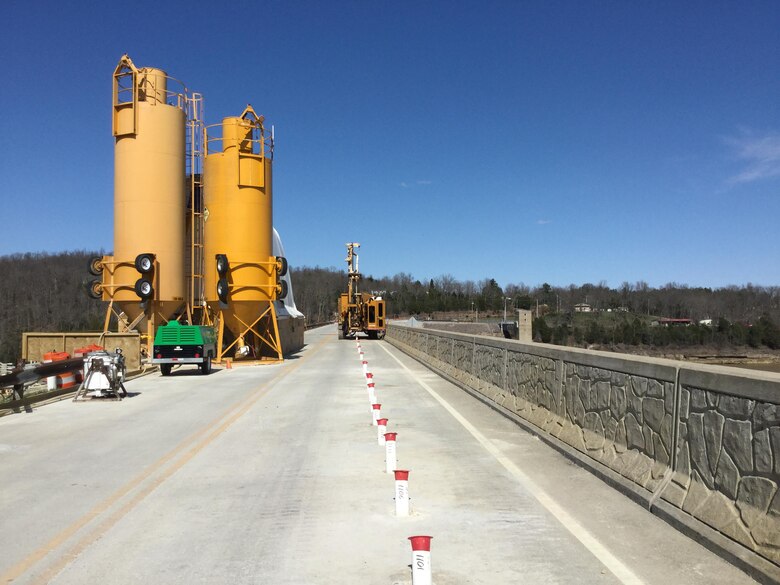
699,445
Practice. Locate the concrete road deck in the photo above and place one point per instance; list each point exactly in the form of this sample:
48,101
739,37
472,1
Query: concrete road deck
273,475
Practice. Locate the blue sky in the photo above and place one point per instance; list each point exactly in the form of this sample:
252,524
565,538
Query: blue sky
549,141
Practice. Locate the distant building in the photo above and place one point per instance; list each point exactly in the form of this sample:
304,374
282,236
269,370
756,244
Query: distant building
666,322
583,308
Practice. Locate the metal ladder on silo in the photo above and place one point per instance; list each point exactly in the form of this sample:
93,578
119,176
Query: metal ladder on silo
195,154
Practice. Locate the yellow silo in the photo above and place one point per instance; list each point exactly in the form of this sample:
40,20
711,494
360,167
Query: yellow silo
241,274
145,278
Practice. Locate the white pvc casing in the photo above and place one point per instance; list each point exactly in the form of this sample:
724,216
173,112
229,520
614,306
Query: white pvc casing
402,497
421,567
390,456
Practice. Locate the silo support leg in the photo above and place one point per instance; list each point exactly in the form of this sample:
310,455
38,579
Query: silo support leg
272,341
220,337
277,340
107,321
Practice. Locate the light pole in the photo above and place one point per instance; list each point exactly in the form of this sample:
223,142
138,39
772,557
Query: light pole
505,300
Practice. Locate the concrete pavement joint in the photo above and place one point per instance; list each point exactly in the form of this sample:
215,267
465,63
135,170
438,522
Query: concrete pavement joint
615,566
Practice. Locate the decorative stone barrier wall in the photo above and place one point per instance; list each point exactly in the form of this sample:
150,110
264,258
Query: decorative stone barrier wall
698,445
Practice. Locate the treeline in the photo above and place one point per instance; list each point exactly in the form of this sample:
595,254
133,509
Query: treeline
736,315
45,292
625,329
316,291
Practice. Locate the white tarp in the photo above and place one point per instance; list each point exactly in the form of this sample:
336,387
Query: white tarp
287,306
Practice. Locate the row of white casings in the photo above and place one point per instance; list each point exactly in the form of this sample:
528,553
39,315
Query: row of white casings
421,544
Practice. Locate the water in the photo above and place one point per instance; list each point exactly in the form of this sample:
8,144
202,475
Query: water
772,367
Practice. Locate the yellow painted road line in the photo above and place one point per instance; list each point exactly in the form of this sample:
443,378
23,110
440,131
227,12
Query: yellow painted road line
620,570
190,447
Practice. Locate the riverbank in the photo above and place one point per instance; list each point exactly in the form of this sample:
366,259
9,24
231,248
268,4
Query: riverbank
764,359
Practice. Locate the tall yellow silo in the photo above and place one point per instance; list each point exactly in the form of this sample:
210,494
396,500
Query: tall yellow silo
241,274
145,278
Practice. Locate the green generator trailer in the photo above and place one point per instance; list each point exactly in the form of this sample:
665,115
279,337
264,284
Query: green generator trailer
177,344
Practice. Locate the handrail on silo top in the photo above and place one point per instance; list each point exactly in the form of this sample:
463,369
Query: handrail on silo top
259,144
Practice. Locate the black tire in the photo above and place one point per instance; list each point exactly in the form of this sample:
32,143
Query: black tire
144,263
144,289
222,265
205,367
95,266
341,331
372,334
165,369
95,289
223,289
282,261
284,290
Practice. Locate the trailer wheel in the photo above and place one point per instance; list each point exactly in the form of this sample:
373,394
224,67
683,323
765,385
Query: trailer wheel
95,266
222,264
165,369
144,263
205,367
223,288
341,331
95,289
143,288
282,262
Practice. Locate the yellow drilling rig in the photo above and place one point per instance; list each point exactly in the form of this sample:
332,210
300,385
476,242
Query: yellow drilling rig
359,312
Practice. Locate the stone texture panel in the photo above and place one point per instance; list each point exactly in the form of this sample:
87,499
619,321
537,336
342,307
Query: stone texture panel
722,441
726,467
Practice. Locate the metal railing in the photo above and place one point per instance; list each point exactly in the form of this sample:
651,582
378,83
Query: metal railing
260,142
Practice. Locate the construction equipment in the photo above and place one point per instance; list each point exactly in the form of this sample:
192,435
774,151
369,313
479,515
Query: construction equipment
193,223
243,279
177,344
104,373
359,312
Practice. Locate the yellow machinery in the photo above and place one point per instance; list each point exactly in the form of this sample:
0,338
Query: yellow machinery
145,277
147,280
193,232
242,277
359,312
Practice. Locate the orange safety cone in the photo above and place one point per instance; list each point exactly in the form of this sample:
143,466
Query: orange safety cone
228,364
